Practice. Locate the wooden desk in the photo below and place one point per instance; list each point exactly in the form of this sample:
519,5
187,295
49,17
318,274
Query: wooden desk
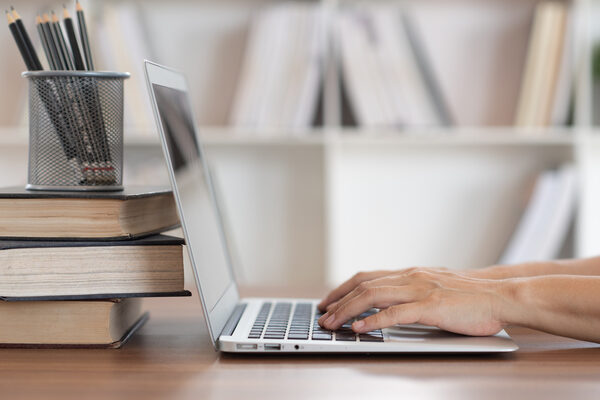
171,358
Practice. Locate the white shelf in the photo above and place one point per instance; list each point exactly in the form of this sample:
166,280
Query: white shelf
473,136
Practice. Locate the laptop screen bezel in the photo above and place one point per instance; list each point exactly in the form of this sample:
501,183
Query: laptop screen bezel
217,317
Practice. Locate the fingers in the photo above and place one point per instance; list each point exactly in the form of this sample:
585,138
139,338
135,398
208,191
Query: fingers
348,286
378,297
409,313
389,280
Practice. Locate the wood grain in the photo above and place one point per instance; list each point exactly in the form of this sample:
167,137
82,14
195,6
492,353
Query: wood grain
171,357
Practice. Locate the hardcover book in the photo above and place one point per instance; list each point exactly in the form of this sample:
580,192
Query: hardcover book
133,212
105,323
149,266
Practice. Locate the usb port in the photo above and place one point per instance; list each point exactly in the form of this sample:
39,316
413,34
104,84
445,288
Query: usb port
271,346
246,346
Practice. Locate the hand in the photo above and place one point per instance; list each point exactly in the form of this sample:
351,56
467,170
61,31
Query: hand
435,297
361,277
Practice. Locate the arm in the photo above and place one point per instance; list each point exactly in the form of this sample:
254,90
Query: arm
584,266
560,304
563,305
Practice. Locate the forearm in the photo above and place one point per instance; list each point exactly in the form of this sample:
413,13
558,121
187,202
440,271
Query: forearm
584,266
564,305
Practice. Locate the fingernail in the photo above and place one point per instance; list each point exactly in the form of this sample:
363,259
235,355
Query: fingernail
329,321
358,325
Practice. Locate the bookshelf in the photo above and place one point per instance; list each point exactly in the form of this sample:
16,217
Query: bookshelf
328,200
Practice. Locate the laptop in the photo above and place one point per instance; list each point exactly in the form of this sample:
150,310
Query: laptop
261,325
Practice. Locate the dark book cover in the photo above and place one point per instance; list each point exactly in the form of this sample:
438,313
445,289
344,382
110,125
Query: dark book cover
101,296
130,192
154,240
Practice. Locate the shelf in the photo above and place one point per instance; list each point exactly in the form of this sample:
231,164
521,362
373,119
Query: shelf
414,136
473,136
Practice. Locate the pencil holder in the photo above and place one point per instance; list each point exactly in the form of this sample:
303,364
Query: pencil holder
75,130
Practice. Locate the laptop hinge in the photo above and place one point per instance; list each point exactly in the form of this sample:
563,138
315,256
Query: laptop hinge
234,319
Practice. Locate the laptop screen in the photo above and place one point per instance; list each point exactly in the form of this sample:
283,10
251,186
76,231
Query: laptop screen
199,210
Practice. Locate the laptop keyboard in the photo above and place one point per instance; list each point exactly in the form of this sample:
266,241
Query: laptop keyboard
273,322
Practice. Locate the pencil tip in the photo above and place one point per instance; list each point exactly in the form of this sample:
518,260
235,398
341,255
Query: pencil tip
9,17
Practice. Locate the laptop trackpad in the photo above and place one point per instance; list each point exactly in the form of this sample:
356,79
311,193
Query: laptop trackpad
416,332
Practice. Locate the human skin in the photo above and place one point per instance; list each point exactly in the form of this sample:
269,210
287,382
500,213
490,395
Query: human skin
559,297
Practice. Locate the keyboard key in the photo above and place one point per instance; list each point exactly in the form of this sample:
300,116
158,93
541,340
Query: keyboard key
345,337
274,336
321,336
365,337
298,336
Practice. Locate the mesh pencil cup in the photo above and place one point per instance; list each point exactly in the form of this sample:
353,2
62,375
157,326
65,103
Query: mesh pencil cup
75,130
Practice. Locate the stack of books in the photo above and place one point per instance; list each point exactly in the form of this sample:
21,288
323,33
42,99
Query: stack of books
74,265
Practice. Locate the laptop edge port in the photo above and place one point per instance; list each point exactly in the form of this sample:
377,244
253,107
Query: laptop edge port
272,346
246,346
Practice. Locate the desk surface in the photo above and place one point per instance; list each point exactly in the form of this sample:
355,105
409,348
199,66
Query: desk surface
171,357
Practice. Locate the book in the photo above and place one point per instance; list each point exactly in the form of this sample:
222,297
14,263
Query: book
385,70
545,223
546,69
122,43
134,212
105,323
282,69
142,267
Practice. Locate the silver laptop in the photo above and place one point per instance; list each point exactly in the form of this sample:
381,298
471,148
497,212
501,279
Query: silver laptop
255,325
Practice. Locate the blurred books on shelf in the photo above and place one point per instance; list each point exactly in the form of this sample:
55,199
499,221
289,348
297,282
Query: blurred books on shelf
397,66
282,72
547,219
122,45
547,82
384,69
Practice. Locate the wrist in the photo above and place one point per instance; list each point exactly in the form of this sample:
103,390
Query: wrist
508,307
493,272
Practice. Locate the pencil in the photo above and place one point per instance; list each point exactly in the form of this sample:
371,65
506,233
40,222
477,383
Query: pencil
51,43
26,40
19,41
62,45
73,41
40,29
83,34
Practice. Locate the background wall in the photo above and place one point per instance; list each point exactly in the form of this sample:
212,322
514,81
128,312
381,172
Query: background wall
327,203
